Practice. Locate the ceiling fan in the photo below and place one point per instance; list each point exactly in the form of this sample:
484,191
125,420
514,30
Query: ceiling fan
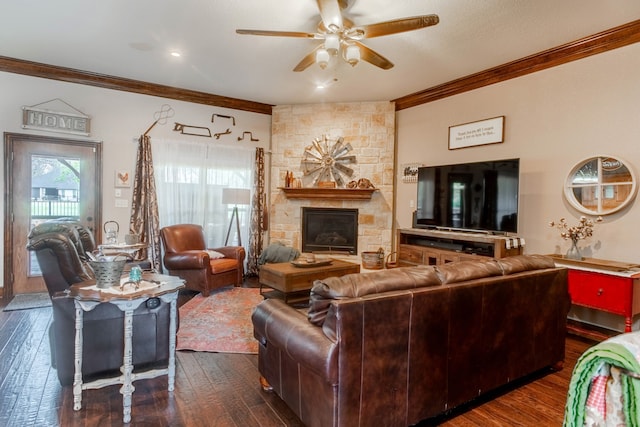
341,36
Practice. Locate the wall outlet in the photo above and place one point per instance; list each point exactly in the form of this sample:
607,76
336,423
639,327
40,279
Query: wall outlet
122,203
411,204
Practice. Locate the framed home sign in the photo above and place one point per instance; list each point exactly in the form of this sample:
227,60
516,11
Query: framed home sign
489,131
72,121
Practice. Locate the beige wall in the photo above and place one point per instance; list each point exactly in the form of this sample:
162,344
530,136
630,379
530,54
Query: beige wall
554,118
369,127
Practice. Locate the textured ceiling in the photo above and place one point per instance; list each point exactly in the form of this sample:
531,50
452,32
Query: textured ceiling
133,39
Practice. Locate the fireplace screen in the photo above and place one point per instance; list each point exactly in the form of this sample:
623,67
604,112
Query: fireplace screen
330,230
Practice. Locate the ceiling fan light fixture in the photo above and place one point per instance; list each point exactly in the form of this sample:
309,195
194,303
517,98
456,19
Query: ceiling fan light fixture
352,55
340,37
322,57
332,43
355,33
333,28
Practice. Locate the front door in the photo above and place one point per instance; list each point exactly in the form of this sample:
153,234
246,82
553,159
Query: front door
45,178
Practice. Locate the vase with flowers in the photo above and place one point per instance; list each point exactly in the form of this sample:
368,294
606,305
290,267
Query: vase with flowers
582,230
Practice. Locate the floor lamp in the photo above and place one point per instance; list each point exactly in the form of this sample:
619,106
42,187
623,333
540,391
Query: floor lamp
235,196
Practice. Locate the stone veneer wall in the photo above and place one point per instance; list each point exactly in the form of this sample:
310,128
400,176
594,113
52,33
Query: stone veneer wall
370,129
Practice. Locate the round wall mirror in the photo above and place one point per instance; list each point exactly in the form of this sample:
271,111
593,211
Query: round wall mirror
600,185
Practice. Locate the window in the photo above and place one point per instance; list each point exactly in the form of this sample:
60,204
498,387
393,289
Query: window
190,177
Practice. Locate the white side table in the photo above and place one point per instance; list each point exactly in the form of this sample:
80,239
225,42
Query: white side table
86,298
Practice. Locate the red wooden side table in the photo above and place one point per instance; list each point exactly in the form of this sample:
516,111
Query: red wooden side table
608,286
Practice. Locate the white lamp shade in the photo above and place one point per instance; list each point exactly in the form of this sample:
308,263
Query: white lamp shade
236,196
332,43
322,58
352,55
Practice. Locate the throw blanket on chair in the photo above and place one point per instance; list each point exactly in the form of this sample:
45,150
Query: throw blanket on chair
600,394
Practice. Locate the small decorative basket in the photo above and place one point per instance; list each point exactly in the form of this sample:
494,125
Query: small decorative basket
392,260
373,260
108,273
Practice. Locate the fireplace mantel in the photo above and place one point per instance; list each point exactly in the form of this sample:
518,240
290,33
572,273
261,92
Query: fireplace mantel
329,193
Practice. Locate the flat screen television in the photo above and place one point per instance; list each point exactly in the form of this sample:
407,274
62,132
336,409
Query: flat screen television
469,196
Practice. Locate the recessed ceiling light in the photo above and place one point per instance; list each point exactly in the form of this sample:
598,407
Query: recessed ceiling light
176,54
326,84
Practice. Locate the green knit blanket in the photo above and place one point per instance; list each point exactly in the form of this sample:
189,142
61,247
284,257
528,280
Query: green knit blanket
620,352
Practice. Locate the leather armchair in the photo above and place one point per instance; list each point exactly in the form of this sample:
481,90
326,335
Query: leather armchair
186,255
58,246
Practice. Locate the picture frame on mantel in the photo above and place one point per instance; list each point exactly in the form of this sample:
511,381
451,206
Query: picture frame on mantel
482,132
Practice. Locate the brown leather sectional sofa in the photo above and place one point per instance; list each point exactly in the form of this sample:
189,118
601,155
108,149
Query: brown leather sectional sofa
394,347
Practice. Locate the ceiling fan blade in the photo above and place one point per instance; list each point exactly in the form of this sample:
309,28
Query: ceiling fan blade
330,14
373,57
307,61
278,33
398,26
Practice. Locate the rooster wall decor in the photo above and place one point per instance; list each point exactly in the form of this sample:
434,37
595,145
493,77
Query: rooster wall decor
122,179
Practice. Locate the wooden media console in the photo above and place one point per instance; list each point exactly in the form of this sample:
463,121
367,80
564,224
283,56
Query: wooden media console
432,247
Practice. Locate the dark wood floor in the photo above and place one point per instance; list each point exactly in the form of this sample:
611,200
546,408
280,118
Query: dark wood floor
218,390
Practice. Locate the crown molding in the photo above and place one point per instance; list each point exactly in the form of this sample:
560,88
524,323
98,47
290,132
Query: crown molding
70,75
604,41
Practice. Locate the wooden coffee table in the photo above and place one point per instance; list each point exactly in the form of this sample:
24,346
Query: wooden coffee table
293,283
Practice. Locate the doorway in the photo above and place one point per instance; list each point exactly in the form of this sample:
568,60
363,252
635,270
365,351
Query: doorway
46,178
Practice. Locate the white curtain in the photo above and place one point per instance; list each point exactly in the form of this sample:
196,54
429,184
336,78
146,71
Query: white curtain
190,176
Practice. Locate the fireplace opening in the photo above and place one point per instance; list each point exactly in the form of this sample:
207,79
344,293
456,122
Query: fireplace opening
330,230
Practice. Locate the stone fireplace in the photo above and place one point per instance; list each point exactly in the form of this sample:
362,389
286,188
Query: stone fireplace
330,230
369,127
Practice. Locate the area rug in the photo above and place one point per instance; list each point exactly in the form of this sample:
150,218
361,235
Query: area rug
25,301
219,323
